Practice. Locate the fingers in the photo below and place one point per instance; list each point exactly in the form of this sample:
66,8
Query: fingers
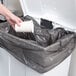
18,21
13,19
12,24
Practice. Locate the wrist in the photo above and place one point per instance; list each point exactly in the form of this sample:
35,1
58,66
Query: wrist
4,11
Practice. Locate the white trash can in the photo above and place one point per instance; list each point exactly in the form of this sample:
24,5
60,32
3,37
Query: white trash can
59,11
9,66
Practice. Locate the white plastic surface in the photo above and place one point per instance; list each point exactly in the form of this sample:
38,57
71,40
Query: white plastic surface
9,66
59,11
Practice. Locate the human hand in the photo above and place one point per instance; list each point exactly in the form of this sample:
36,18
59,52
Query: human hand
13,19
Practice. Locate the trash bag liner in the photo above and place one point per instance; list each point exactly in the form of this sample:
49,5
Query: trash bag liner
42,50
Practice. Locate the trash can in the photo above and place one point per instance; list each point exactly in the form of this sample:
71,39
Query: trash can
25,58
56,11
12,67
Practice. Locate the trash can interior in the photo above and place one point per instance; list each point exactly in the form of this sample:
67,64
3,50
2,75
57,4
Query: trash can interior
42,50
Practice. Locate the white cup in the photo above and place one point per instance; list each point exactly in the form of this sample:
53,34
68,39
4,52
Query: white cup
26,26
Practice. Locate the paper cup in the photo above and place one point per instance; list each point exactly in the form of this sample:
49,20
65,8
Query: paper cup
26,26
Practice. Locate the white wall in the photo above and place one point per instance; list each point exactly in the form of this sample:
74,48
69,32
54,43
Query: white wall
13,5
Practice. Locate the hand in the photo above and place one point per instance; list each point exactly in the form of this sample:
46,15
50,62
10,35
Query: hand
13,19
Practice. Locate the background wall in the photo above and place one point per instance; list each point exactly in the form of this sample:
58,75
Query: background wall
13,5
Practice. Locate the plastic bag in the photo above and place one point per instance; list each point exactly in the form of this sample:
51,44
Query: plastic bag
28,50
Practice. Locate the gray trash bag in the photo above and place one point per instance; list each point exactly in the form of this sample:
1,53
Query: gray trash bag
40,35
26,47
